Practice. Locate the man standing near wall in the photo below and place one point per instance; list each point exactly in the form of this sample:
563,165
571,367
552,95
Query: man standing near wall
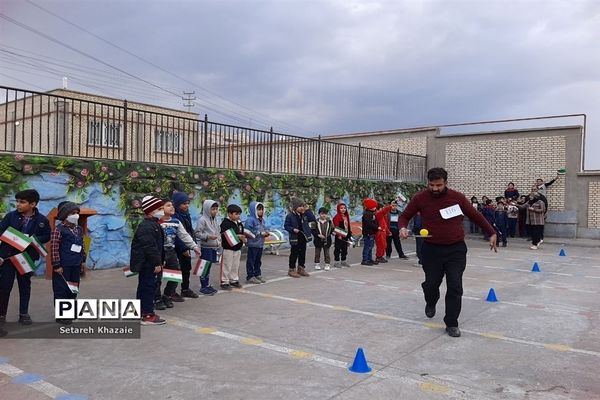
444,251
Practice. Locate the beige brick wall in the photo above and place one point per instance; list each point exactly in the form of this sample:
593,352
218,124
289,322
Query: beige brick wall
408,145
594,205
484,166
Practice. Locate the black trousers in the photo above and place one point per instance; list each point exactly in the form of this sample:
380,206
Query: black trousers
537,233
298,253
396,238
438,261
186,267
7,278
340,248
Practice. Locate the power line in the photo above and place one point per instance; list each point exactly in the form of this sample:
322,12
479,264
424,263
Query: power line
268,119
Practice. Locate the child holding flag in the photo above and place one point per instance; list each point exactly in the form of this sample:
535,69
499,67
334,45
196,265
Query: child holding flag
343,235
232,233
181,201
208,232
68,254
256,231
23,233
147,257
322,234
173,230
296,223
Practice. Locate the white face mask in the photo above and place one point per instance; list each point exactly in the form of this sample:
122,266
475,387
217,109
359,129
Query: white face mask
73,218
158,214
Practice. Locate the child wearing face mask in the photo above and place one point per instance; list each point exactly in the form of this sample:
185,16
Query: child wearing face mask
68,254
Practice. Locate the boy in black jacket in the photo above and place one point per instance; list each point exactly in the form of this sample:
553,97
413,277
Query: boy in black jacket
181,201
28,220
296,224
370,227
232,233
322,234
147,257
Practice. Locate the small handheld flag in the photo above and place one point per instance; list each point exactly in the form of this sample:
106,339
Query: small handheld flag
23,263
340,231
231,237
172,275
15,238
201,268
35,242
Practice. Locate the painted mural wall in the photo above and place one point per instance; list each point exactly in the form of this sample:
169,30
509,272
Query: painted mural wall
115,190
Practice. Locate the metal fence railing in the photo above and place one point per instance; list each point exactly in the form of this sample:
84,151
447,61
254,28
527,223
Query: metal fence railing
85,126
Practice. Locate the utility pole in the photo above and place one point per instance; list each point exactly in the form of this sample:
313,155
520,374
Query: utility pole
189,100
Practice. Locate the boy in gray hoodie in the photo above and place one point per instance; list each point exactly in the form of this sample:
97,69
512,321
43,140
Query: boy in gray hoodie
208,233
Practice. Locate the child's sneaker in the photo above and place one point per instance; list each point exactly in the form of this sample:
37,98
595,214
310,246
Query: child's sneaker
207,291
534,247
177,298
261,279
160,305
168,302
345,264
212,290
254,280
236,285
225,286
327,267
381,260
25,319
317,266
152,319
337,264
189,293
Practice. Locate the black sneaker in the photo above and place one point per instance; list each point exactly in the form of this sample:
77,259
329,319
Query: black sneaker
189,293
381,260
430,311
403,256
25,319
160,305
168,302
208,291
236,285
225,286
375,262
177,298
453,331
212,290
367,262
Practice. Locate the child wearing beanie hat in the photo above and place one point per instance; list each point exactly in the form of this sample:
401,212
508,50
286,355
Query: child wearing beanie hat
147,257
370,227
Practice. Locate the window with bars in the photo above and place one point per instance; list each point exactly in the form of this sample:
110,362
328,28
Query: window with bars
168,142
104,134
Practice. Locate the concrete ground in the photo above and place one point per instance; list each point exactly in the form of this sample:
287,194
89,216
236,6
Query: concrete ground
294,338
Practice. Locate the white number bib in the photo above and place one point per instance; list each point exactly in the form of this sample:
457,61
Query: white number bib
451,212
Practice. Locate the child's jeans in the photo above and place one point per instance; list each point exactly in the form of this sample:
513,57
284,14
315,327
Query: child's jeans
325,254
369,243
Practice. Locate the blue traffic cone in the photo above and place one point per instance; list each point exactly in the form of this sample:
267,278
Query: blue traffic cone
491,296
562,253
360,365
536,267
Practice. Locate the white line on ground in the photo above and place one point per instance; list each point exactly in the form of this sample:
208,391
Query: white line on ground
41,386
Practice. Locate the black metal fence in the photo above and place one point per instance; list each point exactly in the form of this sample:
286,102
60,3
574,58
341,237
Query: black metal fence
88,126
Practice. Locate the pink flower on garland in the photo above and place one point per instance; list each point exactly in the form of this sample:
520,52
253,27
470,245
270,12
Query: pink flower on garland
27,168
134,174
80,184
19,157
136,204
85,172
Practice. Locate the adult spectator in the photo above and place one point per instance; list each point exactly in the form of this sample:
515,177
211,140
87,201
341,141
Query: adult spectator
511,193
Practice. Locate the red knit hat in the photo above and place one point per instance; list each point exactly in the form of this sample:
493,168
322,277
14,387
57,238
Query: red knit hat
150,204
370,204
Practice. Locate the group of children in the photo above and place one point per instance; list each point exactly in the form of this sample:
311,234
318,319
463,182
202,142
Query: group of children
165,239
23,233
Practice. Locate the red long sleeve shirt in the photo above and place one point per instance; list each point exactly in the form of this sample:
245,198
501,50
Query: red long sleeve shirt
443,231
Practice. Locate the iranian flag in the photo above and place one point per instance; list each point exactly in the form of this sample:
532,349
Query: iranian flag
201,267
249,234
73,287
172,275
340,231
39,246
231,237
23,263
127,272
15,238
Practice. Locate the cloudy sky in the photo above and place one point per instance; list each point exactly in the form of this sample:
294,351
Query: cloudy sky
319,67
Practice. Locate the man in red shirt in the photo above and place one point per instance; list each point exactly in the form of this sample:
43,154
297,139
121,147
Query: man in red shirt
444,251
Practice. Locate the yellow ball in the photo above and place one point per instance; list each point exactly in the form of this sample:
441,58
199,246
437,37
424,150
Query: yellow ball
424,232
